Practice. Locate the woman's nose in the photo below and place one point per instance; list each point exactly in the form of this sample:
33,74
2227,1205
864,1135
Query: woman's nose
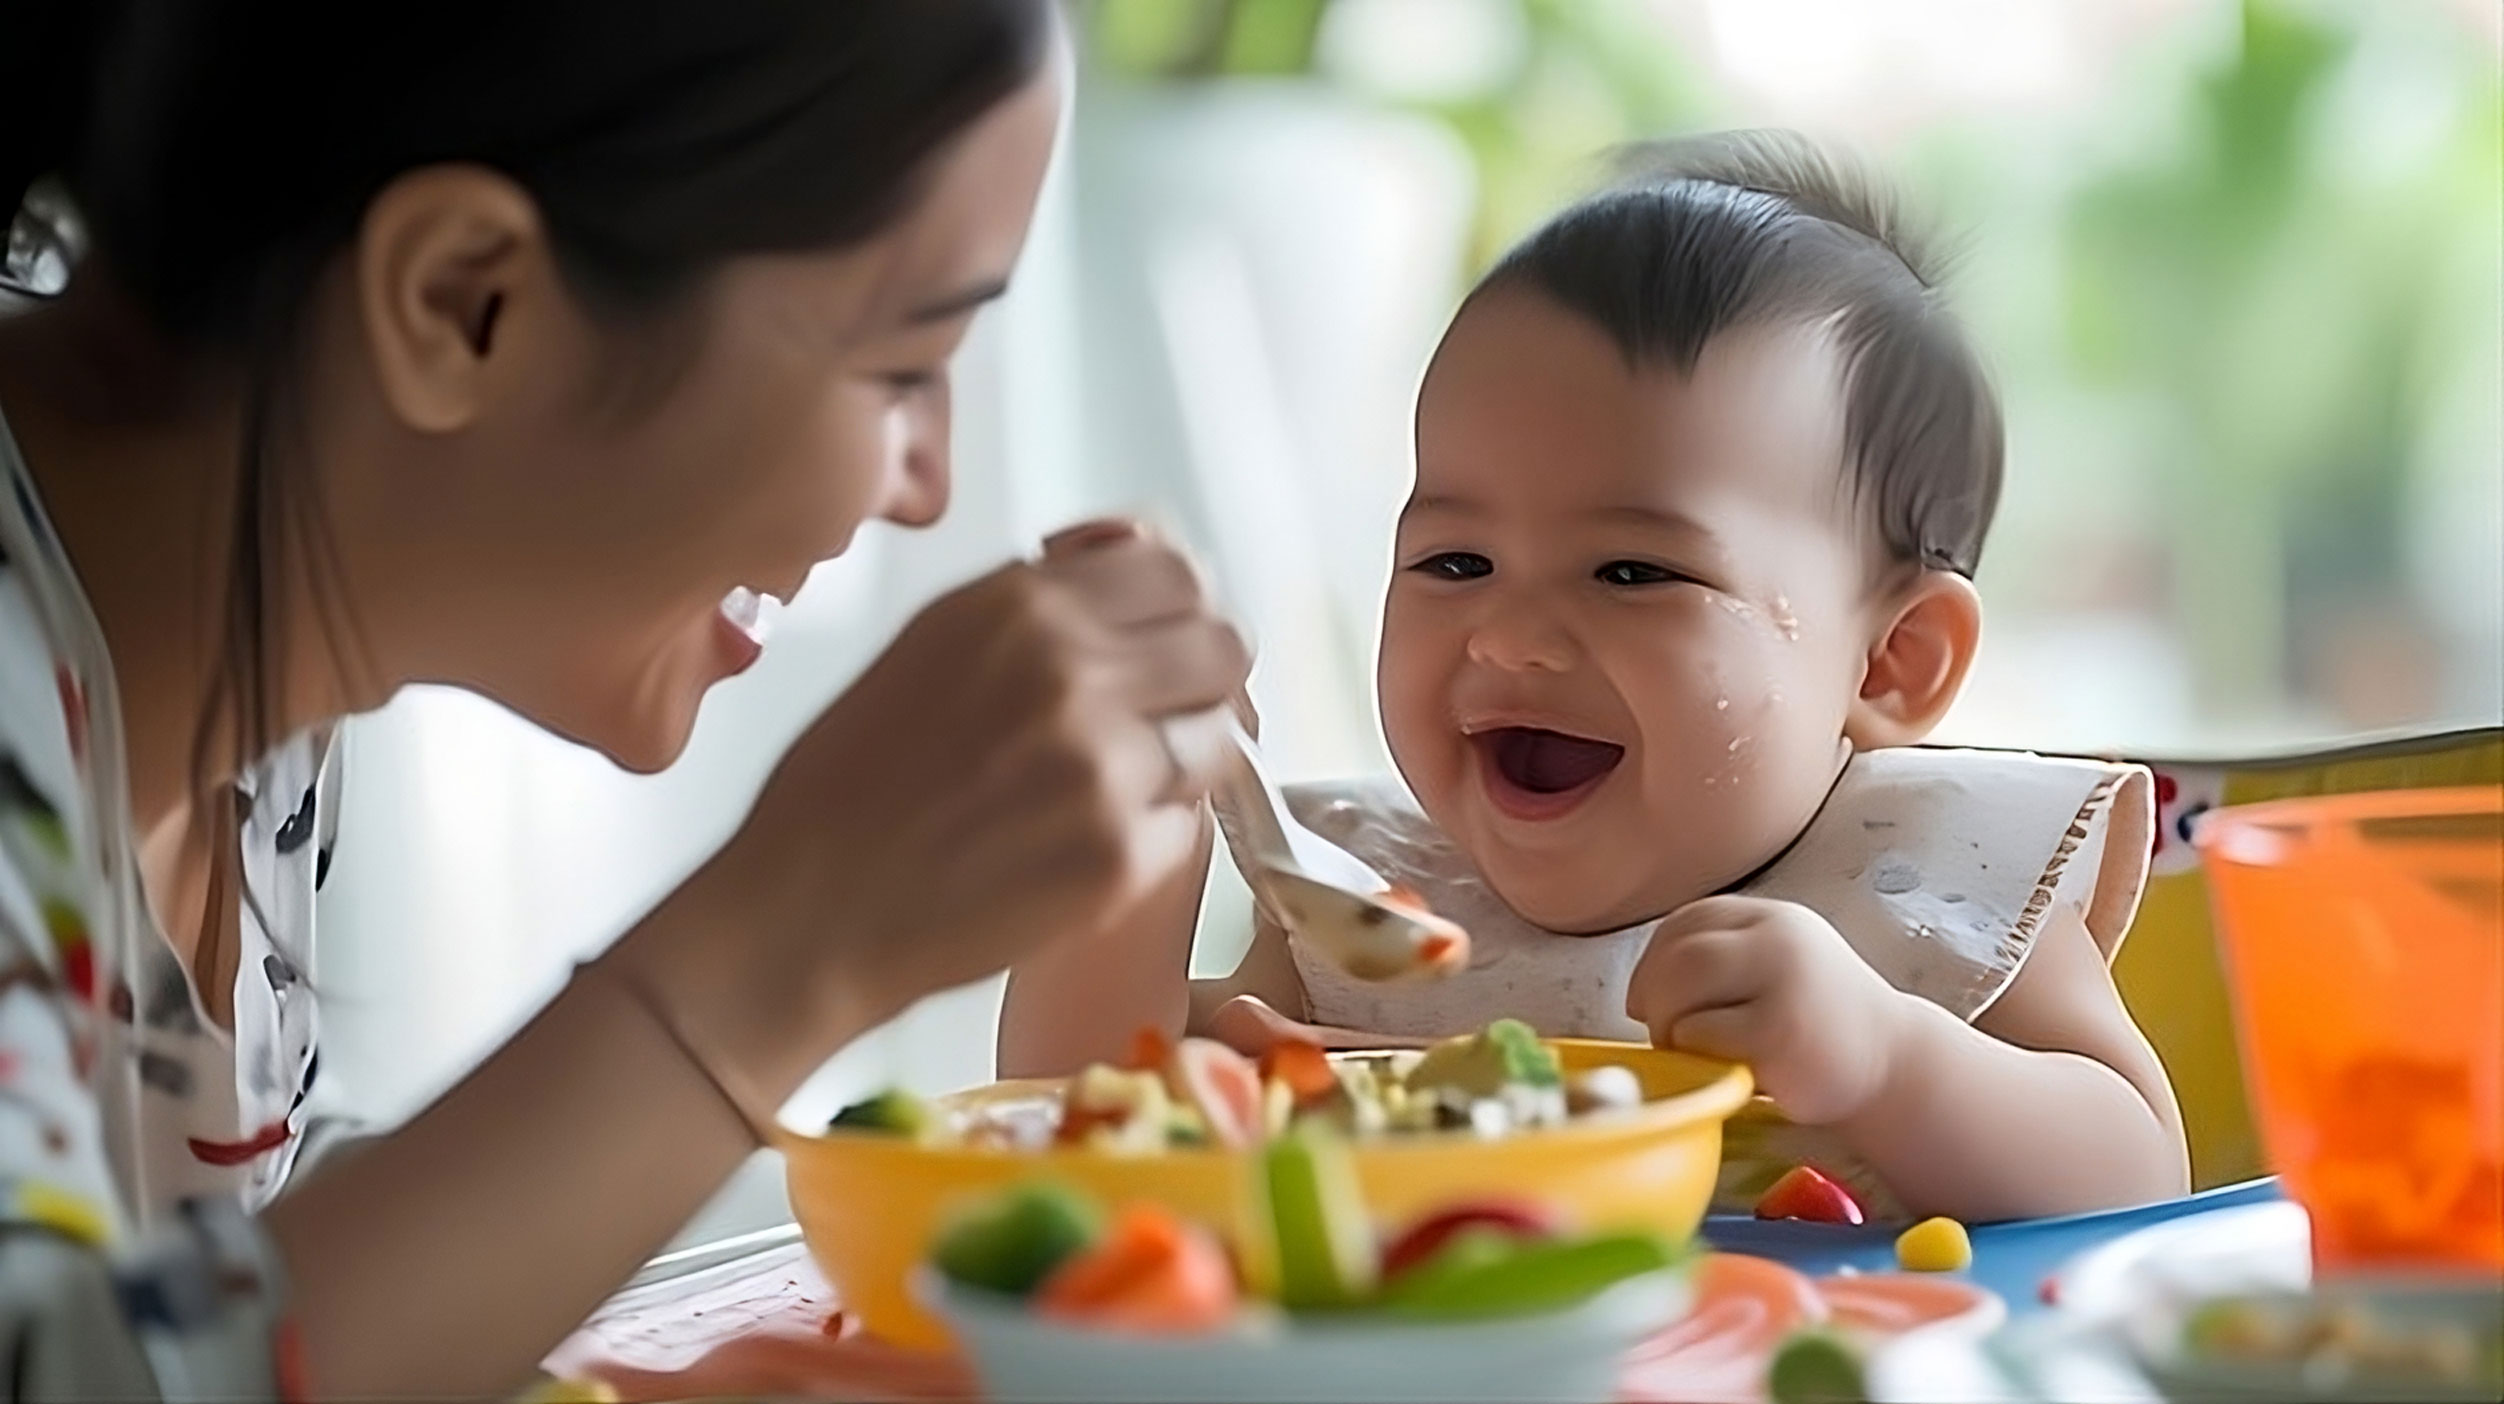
919,460
1521,640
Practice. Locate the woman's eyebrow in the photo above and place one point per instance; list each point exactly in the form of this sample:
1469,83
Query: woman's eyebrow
958,303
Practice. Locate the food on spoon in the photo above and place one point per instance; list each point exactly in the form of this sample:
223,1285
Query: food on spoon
1390,935
1013,1242
894,1111
1805,1194
1522,1220
1151,1272
1483,1273
1315,1243
1935,1245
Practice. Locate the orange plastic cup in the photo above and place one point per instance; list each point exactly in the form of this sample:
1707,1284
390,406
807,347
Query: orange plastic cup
2364,937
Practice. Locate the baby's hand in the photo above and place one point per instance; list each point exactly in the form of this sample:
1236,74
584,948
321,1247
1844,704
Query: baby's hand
1772,985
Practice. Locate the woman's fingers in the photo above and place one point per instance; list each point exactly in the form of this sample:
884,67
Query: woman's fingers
1192,664
1124,575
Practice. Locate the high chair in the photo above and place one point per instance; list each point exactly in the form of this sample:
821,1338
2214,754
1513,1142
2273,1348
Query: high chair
2169,968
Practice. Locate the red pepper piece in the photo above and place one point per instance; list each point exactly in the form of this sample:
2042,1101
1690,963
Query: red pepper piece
1807,1195
1521,1220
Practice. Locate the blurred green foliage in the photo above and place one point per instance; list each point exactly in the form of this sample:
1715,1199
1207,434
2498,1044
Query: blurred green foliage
2283,308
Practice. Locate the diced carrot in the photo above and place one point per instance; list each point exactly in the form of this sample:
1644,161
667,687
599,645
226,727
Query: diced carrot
1435,948
1149,1050
1304,1067
1406,899
1152,1272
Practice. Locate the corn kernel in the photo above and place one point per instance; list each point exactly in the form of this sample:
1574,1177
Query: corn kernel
1935,1245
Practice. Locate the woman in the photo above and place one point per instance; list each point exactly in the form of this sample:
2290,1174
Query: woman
514,346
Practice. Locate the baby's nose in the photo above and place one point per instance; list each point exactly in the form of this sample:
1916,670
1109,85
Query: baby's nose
1522,641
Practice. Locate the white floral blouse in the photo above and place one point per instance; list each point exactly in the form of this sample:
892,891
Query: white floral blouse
136,1136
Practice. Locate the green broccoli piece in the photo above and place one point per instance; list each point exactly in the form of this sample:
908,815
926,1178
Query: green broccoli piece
1012,1242
1816,1367
894,1111
1527,1061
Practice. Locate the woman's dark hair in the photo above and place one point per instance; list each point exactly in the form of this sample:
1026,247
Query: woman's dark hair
1714,233
217,156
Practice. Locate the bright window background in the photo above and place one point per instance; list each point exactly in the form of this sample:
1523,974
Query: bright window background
2238,268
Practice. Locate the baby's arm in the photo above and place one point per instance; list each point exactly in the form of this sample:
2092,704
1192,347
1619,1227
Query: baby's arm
2051,1102
1082,1001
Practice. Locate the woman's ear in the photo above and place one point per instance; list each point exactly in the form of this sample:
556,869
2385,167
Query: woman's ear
1917,663
444,254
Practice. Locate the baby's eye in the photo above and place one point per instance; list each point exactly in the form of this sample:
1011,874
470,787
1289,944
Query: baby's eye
1455,565
1635,573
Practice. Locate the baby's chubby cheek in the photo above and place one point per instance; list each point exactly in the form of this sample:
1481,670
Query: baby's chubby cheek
1742,737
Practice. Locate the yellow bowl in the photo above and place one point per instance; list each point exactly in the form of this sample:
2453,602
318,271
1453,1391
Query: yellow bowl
869,1205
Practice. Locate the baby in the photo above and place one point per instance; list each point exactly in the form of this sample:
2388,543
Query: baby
1703,475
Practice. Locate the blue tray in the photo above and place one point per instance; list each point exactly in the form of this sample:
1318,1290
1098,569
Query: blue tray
2011,1259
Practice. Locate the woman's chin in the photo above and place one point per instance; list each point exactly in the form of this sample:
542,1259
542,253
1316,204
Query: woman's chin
644,737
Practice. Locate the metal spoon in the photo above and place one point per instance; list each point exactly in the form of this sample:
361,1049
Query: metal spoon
1320,891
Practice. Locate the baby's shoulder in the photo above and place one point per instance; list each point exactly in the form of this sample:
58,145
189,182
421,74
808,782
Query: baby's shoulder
1940,865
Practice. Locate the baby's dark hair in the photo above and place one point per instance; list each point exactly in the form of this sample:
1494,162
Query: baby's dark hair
1711,234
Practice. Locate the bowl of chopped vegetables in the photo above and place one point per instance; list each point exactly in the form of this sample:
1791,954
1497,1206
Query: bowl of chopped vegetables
1486,1300
1614,1136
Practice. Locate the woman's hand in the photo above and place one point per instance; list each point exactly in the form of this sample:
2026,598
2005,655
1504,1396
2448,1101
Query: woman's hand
1025,761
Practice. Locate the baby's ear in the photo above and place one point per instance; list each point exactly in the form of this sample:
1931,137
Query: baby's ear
1917,662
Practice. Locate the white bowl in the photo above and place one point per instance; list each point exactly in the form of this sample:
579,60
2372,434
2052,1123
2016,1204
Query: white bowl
1561,1357
2475,1305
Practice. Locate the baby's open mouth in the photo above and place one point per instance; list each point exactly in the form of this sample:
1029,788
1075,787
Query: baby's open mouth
1546,762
